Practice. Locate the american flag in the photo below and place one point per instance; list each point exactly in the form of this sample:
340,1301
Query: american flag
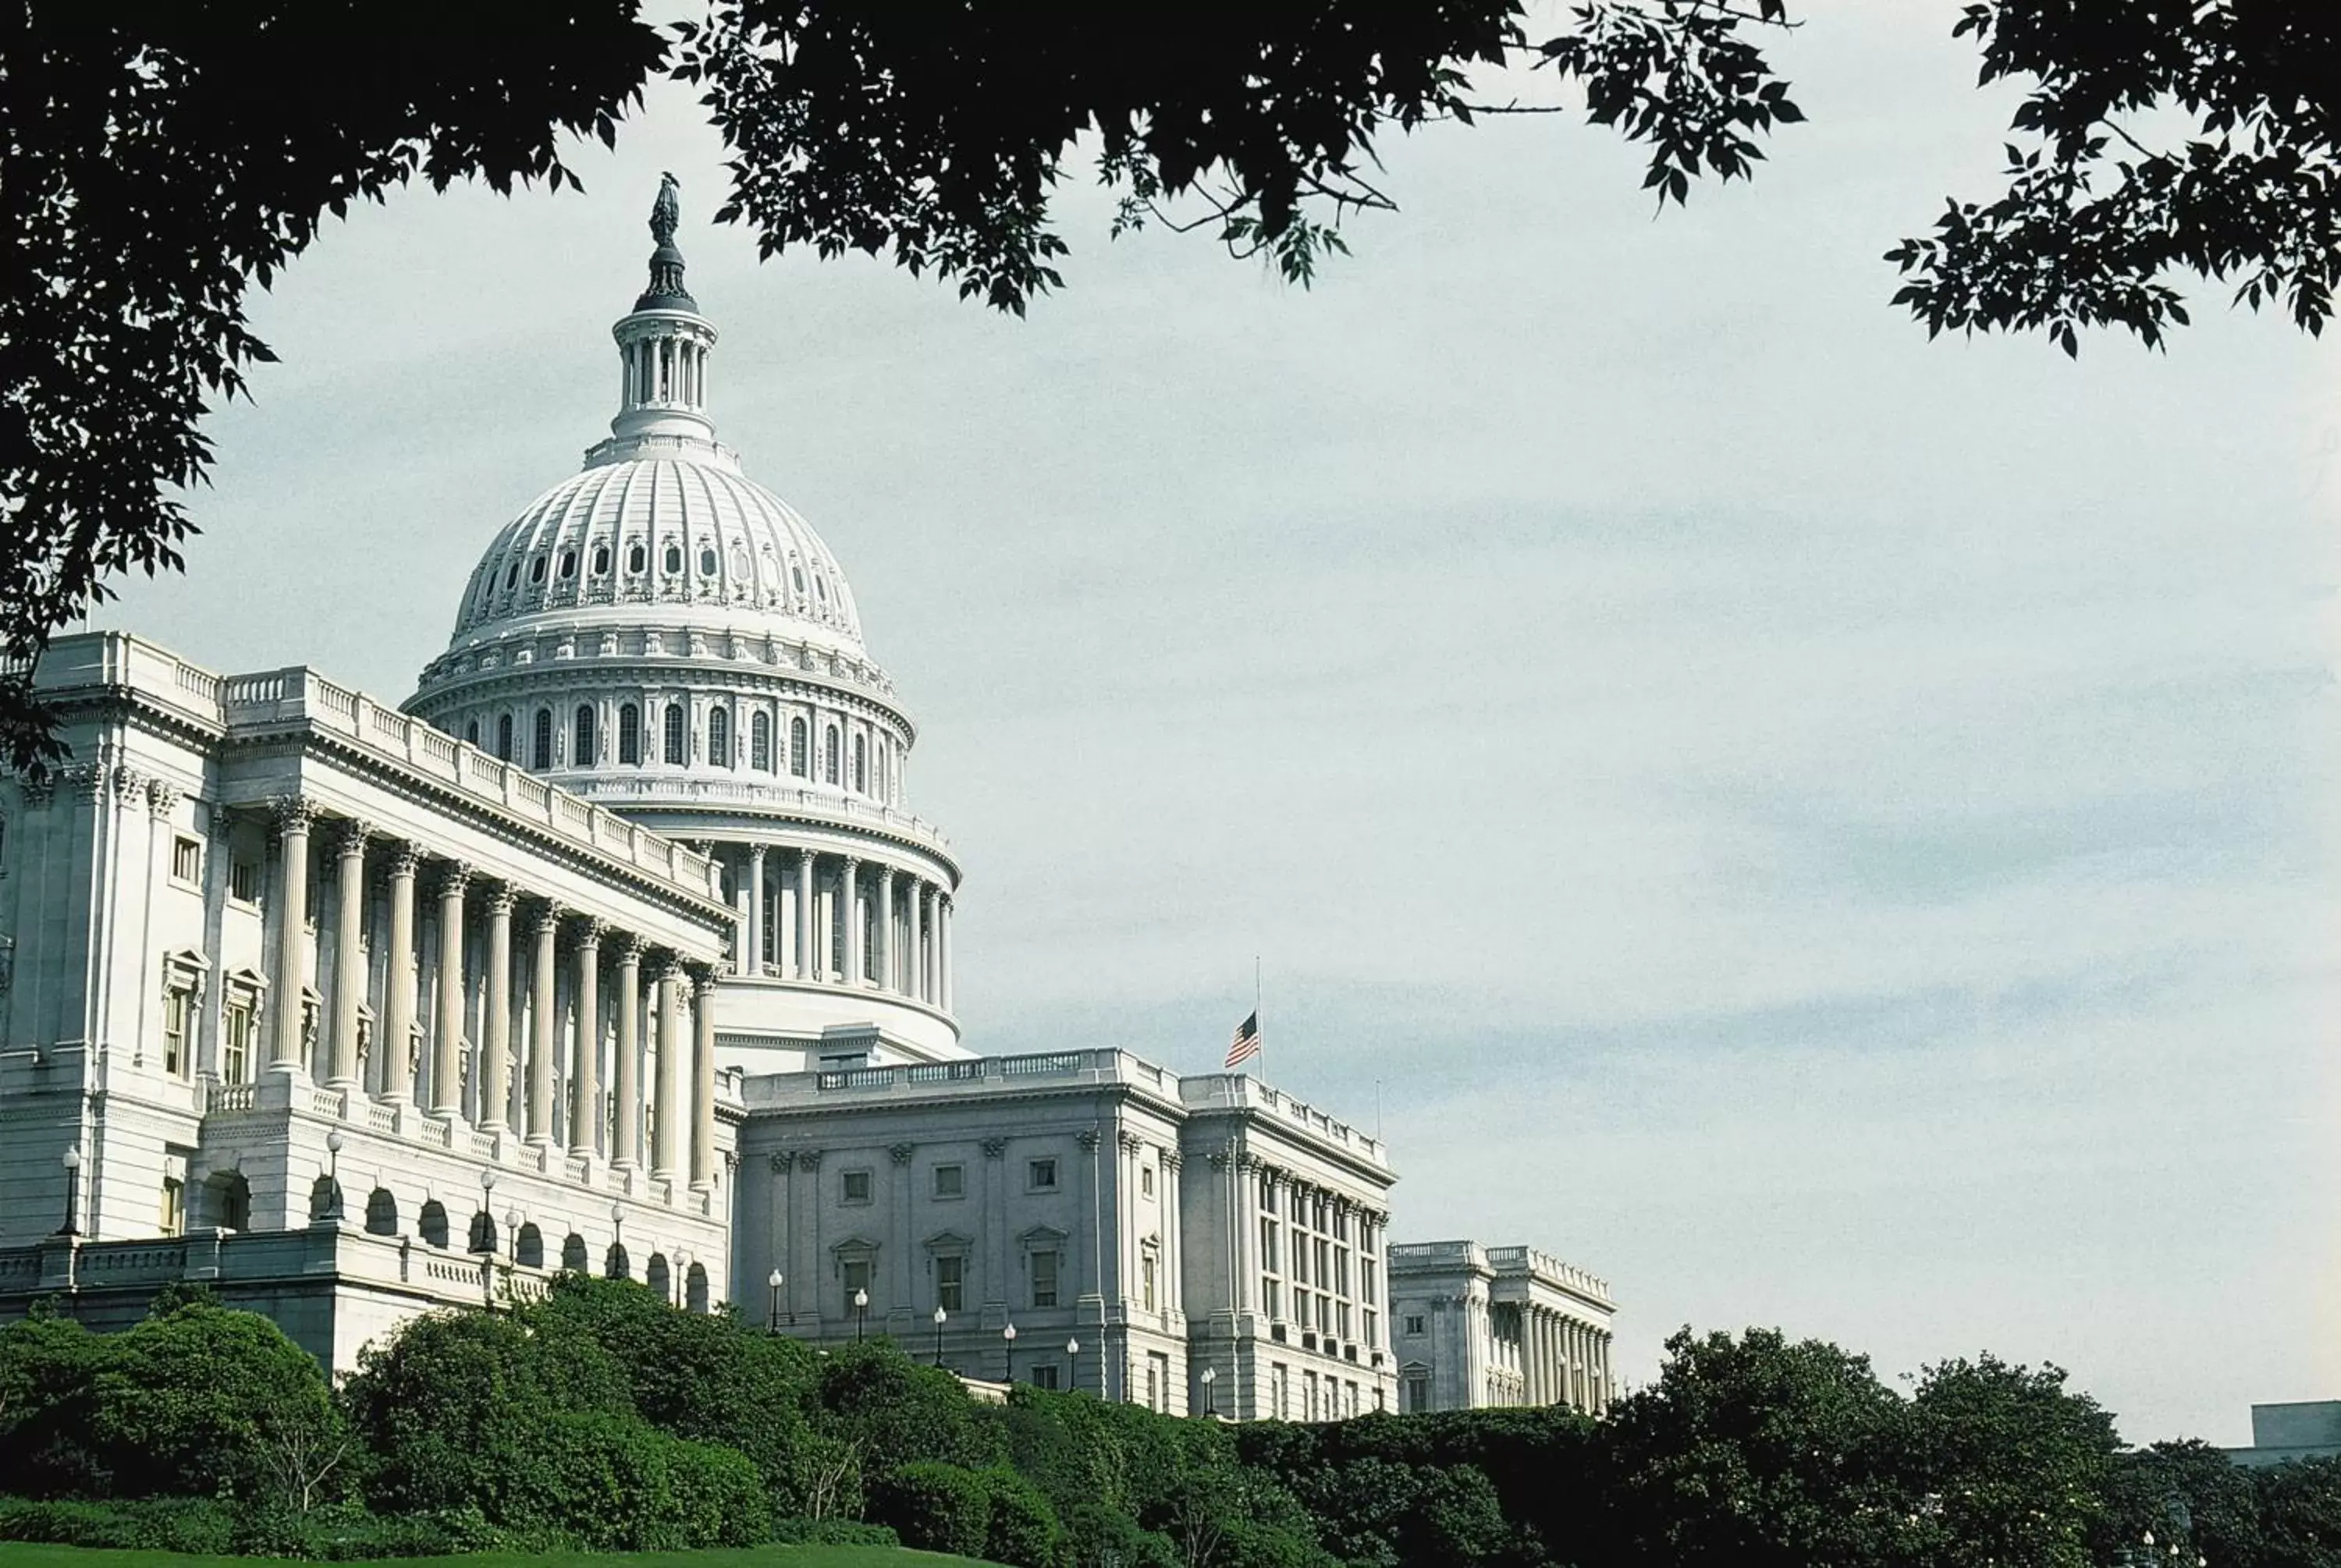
1246,1045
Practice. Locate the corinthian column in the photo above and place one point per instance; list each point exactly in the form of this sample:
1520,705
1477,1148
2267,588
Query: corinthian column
543,1033
801,952
755,957
495,1043
293,817
703,1079
397,1040
349,967
626,1072
943,946
666,1099
849,909
585,1076
447,1061
885,928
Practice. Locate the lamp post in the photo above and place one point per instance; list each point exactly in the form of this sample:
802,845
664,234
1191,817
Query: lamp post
1074,1364
72,1192
1008,1337
512,1234
1210,1375
940,1318
774,1281
333,1209
617,1244
860,1311
487,1191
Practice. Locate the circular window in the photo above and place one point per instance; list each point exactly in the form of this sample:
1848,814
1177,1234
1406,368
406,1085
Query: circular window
638,560
674,560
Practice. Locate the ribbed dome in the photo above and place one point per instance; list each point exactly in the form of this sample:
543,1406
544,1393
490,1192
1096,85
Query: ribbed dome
667,524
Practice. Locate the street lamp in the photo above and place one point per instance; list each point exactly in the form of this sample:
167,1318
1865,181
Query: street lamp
860,1311
1210,1375
774,1280
941,1318
1073,1368
614,1265
1007,1335
72,1192
333,1175
487,1191
512,1233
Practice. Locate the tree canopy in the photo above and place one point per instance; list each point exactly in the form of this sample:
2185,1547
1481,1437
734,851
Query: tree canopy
162,158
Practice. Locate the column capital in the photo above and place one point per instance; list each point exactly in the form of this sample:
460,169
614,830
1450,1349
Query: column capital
454,877
993,1149
293,814
1088,1139
502,897
349,837
702,975
406,857
591,930
901,1153
781,1159
162,796
669,967
756,852
809,1158
548,918
630,948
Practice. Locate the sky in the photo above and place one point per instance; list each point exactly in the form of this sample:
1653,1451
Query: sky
1822,829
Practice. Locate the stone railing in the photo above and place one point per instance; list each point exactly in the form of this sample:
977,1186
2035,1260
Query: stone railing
1544,1265
655,786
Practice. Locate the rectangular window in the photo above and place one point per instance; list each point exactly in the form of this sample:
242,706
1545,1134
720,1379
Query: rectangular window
951,1181
1308,1395
1324,1253
187,860
855,1188
1045,1377
178,1007
1340,1271
244,882
950,1283
857,1284
173,1217
1041,1175
235,1043
1301,1300
1044,1279
1414,1323
1373,1321
1146,1281
1300,1260
1153,1389
1145,1181
1267,1246
1158,1376
1366,1279
1342,1319
1271,1298
1418,1392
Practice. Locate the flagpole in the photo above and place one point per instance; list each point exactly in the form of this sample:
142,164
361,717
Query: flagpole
1255,1013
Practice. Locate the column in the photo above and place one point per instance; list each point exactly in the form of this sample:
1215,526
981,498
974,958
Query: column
755,964
666,1093
1568,1356
702,1081
626,1141
447,1061
495,1043
943,946
1541,1382
885,928
544,1031
922,944
397,1042
801,952
848,910
349,967
293,817
585,1072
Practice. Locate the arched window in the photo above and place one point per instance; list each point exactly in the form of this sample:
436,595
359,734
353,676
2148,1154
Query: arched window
471,731
512,576
760,742
581,740
674,735
821,589
740,560
796,575
528,1247
382,1213
706,561
629,734
861,766
719,736
600,560
536,570
503,738
568,563
638,560
827,756
540,749
674,560
800,754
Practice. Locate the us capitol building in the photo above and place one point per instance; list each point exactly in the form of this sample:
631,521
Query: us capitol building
617,948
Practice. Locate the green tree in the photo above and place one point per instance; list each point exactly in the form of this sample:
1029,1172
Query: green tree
2190,1493
49,1367
2299,1514
892,1411
2013,1469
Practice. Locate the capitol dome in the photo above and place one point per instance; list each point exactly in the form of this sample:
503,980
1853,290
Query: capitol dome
662,635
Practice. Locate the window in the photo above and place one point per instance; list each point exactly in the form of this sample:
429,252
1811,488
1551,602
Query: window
187,859
581,753
178,1009
674,735
600,560
1153,1387
1044,1279
951,1282
799,758
796,575
706,561
1045,1377
760,742
1145,1181
828,756
171,1212
673,562
540,741
505,739
568,564
244,882
861,766
512,576
855,1187
1373,1321
629,734
236,1042
1414,1323
1146,1282
638,560
1271,1299
472,732
1267,1246
536,570
1041,1175
719,736
857,1283
951,1181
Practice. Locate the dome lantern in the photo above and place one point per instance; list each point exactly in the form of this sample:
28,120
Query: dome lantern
663,344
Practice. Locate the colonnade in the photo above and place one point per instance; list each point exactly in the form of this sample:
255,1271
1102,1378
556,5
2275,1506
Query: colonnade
471,1082
1564,1361
841,919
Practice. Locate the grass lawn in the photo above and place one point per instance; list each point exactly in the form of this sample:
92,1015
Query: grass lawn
25,1554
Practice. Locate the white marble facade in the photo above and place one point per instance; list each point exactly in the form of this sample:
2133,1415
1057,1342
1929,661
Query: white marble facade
1475,1326
616,945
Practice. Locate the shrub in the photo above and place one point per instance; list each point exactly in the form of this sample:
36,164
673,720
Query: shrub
198,1525
1020,1527
614,1483
832,1532
48,1404
935,1507
900,1413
